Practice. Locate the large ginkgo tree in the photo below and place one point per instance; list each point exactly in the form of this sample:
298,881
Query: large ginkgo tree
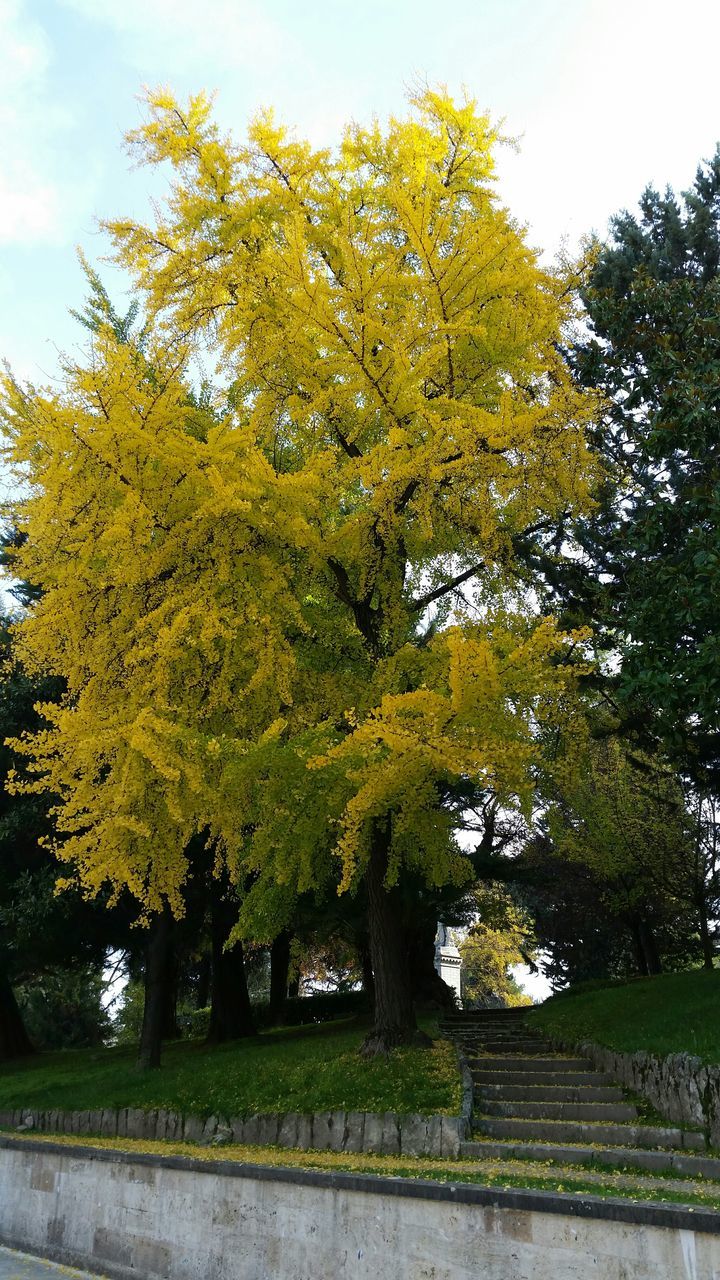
253,593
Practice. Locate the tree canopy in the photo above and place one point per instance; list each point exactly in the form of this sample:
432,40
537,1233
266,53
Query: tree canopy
252,591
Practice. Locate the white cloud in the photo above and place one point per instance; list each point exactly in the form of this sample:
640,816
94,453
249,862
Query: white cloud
25,200
28,207
24,53
175,37
635,99
35,206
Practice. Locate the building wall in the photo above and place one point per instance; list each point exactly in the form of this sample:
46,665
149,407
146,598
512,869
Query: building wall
449,966
447,960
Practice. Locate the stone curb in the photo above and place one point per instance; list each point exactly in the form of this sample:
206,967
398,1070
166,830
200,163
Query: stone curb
384,1133
468,1094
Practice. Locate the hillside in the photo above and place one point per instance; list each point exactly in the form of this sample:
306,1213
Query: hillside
312,1068
672,1013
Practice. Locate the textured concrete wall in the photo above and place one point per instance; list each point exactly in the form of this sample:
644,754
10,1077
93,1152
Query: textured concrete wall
165,1217
681,1087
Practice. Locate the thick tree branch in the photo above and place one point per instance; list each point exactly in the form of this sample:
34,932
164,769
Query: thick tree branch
349,446
366,619
423,601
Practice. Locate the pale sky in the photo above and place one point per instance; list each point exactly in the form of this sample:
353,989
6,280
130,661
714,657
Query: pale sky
604,96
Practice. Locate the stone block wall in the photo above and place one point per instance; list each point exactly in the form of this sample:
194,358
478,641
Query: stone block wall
681,1087
380,1133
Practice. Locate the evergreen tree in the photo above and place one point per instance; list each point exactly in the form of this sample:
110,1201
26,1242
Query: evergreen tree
650,571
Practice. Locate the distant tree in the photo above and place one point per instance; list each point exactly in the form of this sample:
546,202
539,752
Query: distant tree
499,940
624,851
64,1009
649,574
579,939
128,1014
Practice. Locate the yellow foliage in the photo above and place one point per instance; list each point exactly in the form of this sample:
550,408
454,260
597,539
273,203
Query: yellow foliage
234,589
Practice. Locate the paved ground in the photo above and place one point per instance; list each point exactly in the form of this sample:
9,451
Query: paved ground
19,1266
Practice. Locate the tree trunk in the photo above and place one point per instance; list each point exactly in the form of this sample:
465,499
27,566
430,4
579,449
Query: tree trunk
170,1029
636,934
158,975
279,969
231,1016
707,946
362,942
202,992
649,946
394,1022
294,988
14,1039
429,989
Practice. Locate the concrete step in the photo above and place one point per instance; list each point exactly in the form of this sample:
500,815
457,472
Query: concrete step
530,1065
519,1048
503,1029
518,1043
499,1029
528,1079
604,1112
614,1157
580,1131
549,1093
492,1029
495,1033
487,1028
480,1037
485,1015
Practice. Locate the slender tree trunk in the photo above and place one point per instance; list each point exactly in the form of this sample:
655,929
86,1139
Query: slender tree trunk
158,965
707,946
14,1039
170,1028
279,969
294,988
640,960
649,946
231,1016
202,994
394,1022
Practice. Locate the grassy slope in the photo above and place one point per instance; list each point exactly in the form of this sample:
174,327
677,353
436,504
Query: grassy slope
673,1013
302,1069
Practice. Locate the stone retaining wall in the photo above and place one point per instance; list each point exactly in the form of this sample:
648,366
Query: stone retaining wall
379,1133
173,1218
681,1087
385,1133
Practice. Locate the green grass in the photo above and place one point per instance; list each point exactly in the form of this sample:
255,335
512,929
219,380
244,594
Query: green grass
672,1013
298,1069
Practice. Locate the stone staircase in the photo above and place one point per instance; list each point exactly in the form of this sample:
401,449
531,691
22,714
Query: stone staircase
531,1102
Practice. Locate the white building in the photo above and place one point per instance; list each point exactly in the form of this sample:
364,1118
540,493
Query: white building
448,962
